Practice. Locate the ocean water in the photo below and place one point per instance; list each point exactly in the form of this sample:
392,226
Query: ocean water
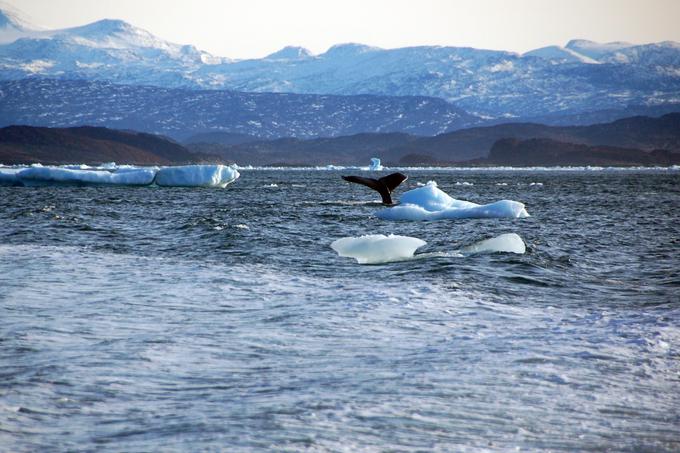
173,319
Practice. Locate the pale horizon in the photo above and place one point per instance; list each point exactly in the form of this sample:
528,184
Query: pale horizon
254,29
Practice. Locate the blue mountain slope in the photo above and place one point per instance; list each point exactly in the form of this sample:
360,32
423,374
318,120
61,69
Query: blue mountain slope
181,112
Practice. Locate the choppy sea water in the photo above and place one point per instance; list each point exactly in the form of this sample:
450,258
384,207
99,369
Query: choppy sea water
160,319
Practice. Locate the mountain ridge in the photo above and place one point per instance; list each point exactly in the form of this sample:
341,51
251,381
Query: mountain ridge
644,134
180,113
88,145
490,83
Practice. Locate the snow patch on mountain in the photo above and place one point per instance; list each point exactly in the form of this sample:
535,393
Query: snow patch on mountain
596,50
561,54
290,53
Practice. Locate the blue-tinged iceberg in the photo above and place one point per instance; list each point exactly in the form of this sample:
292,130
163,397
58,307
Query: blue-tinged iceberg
197,176
40,176
431,203
375,164
8,177
123,175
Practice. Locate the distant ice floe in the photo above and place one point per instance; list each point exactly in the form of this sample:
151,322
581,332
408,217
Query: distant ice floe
379,249
196,176
375,164
42,176
124,175
431,203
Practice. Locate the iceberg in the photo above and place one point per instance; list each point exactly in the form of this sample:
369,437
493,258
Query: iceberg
41,176
431,203
8,176
377,248
375,164
505,243
197,176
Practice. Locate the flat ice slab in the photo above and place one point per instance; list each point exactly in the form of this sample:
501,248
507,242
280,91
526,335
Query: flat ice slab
377,248
431,203
39,176
197,176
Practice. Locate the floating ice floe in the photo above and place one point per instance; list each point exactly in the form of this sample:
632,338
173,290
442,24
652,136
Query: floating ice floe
507,243
197,176
8,176
375,164
431,203
123,175
41,176
377,248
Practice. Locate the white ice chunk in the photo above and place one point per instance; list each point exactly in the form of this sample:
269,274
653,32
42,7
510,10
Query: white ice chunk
375,164
56,175
431,203
377,248
507,243
197,176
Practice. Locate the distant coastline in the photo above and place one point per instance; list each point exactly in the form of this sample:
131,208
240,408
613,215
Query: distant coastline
635,141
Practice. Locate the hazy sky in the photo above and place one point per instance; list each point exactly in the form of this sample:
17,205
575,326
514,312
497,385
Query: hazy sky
255,28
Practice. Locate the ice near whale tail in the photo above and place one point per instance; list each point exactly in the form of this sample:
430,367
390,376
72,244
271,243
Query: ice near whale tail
431,203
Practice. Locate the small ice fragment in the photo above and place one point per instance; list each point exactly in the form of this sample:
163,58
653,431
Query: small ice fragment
377,248
375,164
508,243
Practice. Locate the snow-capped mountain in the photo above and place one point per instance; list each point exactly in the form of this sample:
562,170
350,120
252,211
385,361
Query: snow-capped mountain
104,49
595,50
560,54
181,112
580,77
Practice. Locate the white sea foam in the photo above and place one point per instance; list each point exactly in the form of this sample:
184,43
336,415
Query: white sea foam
431,203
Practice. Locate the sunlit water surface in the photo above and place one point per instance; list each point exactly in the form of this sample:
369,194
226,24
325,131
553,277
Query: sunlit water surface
146,319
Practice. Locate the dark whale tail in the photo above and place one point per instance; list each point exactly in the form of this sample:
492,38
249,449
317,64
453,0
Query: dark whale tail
384,186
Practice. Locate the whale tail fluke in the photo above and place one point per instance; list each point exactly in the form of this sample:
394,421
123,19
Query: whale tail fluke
384,186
